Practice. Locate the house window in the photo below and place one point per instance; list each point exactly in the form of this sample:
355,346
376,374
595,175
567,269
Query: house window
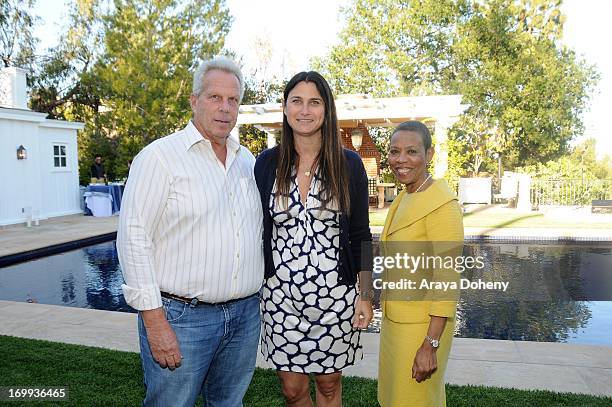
59,156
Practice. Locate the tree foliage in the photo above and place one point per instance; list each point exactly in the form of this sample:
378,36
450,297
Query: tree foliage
580,163
126,71
150,50
526,91
391,48
63,83
17,42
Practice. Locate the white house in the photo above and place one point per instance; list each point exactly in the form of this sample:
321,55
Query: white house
38,158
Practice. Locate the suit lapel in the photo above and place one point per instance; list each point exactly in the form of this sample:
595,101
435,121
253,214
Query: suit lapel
419,206
410,213
391,214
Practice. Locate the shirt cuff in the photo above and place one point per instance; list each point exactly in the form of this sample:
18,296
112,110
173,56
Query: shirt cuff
142,299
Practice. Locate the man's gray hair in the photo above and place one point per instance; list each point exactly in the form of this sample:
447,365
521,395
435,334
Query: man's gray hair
220,63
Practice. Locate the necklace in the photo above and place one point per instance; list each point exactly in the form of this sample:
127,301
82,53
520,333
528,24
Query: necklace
308,173
426,179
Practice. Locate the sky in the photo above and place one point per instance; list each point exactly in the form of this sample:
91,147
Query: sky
277,38
588,31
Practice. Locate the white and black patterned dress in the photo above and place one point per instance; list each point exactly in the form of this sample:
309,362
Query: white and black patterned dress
307,314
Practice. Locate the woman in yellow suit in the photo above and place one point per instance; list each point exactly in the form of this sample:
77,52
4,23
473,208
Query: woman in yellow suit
416,336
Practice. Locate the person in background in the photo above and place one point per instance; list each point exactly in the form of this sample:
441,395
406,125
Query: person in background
416,336
97,171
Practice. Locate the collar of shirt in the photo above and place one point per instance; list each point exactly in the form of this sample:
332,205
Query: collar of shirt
193,136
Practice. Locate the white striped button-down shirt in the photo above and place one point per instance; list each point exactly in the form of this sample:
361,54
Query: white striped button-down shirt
188,225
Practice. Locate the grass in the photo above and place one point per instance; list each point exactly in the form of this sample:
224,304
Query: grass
101,377
533,220
509,219
378,218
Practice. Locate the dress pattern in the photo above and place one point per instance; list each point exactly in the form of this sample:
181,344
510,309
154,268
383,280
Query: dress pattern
307,314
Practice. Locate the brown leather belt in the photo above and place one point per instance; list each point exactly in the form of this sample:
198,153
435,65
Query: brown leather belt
195,302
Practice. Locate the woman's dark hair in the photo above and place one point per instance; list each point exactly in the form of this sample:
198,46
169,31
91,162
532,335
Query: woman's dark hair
417,127
330,162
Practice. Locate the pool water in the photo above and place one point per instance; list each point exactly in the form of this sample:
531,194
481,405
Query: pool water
91,278
85,278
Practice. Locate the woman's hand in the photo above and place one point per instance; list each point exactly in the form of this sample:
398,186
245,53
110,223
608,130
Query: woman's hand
425,362
363,314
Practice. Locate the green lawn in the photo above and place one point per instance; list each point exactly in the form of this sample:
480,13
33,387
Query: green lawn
532,220
101,377
378,218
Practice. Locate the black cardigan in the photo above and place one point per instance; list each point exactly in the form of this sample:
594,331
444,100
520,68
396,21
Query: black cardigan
354,230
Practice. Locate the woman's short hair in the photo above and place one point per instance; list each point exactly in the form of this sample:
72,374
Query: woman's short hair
220,63
417,127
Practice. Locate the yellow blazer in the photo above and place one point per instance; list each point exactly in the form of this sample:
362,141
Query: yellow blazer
431,215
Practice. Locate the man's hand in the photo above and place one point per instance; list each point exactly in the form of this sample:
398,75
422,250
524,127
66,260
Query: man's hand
363,314
162,339
425,362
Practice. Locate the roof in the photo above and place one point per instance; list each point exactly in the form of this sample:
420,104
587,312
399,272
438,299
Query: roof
360,108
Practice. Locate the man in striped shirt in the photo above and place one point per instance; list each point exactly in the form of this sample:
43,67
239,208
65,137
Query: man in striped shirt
189,243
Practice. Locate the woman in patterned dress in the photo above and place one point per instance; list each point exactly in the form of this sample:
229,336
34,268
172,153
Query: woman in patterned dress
315,199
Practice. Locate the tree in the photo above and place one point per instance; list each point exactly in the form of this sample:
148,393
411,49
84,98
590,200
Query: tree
517,78
392,48
526,91
126,71
66,87
17,42
151,50
580,163
63,83
470,144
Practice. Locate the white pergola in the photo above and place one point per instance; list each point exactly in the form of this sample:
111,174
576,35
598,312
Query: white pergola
352,110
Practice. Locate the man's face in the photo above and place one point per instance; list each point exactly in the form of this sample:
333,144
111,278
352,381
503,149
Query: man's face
98,160
215,110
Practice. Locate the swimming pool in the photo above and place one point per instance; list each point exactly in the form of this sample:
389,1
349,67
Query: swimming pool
91,278
85,278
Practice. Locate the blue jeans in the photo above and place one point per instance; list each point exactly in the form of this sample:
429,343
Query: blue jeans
219,347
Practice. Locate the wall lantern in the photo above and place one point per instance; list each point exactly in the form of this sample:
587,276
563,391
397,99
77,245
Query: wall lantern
22,153
356,138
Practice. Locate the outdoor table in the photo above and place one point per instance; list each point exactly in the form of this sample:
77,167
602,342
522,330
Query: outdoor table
111,191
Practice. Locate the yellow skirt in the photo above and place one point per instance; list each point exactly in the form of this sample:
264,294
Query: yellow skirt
398,346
